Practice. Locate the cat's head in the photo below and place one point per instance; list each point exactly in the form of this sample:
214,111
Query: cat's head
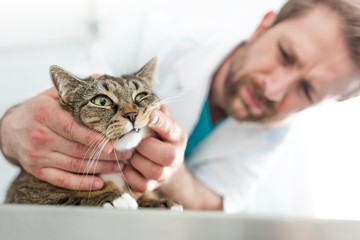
118,107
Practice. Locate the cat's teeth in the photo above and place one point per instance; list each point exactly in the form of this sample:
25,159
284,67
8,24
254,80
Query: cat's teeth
136,130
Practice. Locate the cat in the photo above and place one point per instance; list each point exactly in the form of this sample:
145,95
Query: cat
117,107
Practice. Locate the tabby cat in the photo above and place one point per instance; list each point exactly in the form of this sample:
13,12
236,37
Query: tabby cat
117,107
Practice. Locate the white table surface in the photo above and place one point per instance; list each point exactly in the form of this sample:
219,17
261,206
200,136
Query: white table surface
65,223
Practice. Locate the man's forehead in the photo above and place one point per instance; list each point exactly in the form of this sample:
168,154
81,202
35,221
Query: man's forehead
317,40
317,31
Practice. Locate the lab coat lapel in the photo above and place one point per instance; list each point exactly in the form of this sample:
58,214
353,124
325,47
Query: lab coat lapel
194,72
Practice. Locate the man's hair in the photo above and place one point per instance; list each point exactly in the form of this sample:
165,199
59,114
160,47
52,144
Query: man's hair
348,10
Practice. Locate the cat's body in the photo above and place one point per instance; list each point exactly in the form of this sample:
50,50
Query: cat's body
119,108
27,189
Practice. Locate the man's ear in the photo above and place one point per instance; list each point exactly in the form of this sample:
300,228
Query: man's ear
266,22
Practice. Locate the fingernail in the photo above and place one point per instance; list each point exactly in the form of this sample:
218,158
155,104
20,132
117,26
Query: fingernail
108,149
151,185
154,120
98,184
96,75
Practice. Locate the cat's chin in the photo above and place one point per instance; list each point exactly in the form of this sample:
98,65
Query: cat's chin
131,139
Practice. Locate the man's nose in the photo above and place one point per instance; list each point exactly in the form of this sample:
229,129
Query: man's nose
276,87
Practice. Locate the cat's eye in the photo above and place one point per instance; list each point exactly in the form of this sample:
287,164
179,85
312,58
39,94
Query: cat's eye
102,101
141,96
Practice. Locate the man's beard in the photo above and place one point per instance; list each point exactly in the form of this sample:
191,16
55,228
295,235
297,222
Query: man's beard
232,91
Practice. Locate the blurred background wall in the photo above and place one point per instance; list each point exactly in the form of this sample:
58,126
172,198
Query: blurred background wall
317,176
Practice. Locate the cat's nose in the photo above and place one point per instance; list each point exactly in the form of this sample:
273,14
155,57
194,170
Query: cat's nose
131,116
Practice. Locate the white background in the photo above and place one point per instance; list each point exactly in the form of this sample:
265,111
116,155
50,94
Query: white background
318,175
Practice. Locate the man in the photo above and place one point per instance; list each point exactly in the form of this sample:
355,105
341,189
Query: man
307,53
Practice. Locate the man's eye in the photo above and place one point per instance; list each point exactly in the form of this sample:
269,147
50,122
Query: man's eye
284,55
306,88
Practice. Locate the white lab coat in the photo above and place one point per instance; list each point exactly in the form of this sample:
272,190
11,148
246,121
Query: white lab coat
233,158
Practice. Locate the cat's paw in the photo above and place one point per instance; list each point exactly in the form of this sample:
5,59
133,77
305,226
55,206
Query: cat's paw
173,205
125,201
177,208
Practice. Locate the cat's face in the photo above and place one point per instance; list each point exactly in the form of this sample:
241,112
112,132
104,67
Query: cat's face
118,107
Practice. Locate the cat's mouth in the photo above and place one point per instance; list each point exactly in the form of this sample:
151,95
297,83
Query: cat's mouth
135,130
131,133
129,140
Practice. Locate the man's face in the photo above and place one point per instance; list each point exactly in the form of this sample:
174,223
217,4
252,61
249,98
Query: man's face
288,67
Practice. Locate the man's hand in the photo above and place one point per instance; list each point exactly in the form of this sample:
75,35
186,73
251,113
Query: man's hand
156,160
48,143
159,163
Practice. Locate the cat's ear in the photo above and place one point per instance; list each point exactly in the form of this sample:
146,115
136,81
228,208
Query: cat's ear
65,82
148,71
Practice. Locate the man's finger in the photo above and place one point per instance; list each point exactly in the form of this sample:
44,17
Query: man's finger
165,127
61,144
52,92
71,181
64,125
76,165
165,110
96,75
138,182
148,168
162,153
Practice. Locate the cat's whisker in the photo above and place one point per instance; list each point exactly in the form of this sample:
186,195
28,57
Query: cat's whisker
101,135
94,159
123,176
113,128
90,147
158,102
171,98
101,148
112,134
94,156
93,152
